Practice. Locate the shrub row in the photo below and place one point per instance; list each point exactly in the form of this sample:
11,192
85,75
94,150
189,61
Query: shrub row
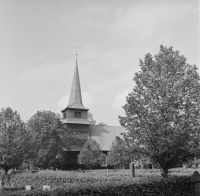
53,181
62,178
177,186
56,179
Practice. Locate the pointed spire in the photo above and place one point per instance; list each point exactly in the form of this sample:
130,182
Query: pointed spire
75,99
75,93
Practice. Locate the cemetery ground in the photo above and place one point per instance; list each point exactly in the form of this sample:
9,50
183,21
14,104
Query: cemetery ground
99,182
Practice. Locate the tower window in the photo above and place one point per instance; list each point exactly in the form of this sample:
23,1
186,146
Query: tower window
64,115
77,114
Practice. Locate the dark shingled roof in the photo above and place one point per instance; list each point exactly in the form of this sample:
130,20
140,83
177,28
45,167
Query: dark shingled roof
105,135
77,106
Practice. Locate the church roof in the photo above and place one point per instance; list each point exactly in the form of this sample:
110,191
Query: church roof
105,135
75,99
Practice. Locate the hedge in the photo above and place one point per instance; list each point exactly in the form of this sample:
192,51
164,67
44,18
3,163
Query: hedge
63,178
176,186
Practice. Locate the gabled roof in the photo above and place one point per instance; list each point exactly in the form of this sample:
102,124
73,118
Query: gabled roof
195,177
105,135
75,99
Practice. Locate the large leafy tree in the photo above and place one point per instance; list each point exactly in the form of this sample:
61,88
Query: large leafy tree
14,139
90,154
47,133
162,111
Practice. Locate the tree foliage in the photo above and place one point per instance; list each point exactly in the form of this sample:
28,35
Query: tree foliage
118,154
13,139
101,123
195,160
90,154
92,121
162,111
90,118
75,139
47,134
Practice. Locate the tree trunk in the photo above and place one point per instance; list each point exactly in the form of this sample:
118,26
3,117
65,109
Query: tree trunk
164,173
6,172
5,177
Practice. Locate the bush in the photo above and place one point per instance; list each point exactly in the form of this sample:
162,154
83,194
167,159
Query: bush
146,182
59,178
176,186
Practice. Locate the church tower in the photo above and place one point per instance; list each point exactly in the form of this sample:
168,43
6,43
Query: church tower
78,127
75,115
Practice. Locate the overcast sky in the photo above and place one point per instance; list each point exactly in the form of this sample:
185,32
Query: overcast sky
38,41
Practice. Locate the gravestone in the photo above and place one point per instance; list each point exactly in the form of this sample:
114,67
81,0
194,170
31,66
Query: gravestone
195,184
46,188
132,169
28,187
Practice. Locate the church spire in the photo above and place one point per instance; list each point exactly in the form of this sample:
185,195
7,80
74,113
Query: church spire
75,93
75,99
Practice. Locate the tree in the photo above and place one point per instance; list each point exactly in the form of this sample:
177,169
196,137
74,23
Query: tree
90,118
47,132
195,161
117,156
120,154
13,139
162,111
90,154
101,123
92,121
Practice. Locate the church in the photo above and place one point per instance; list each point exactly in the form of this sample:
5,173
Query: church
79,129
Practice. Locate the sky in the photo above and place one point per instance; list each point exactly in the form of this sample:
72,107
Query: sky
38,41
